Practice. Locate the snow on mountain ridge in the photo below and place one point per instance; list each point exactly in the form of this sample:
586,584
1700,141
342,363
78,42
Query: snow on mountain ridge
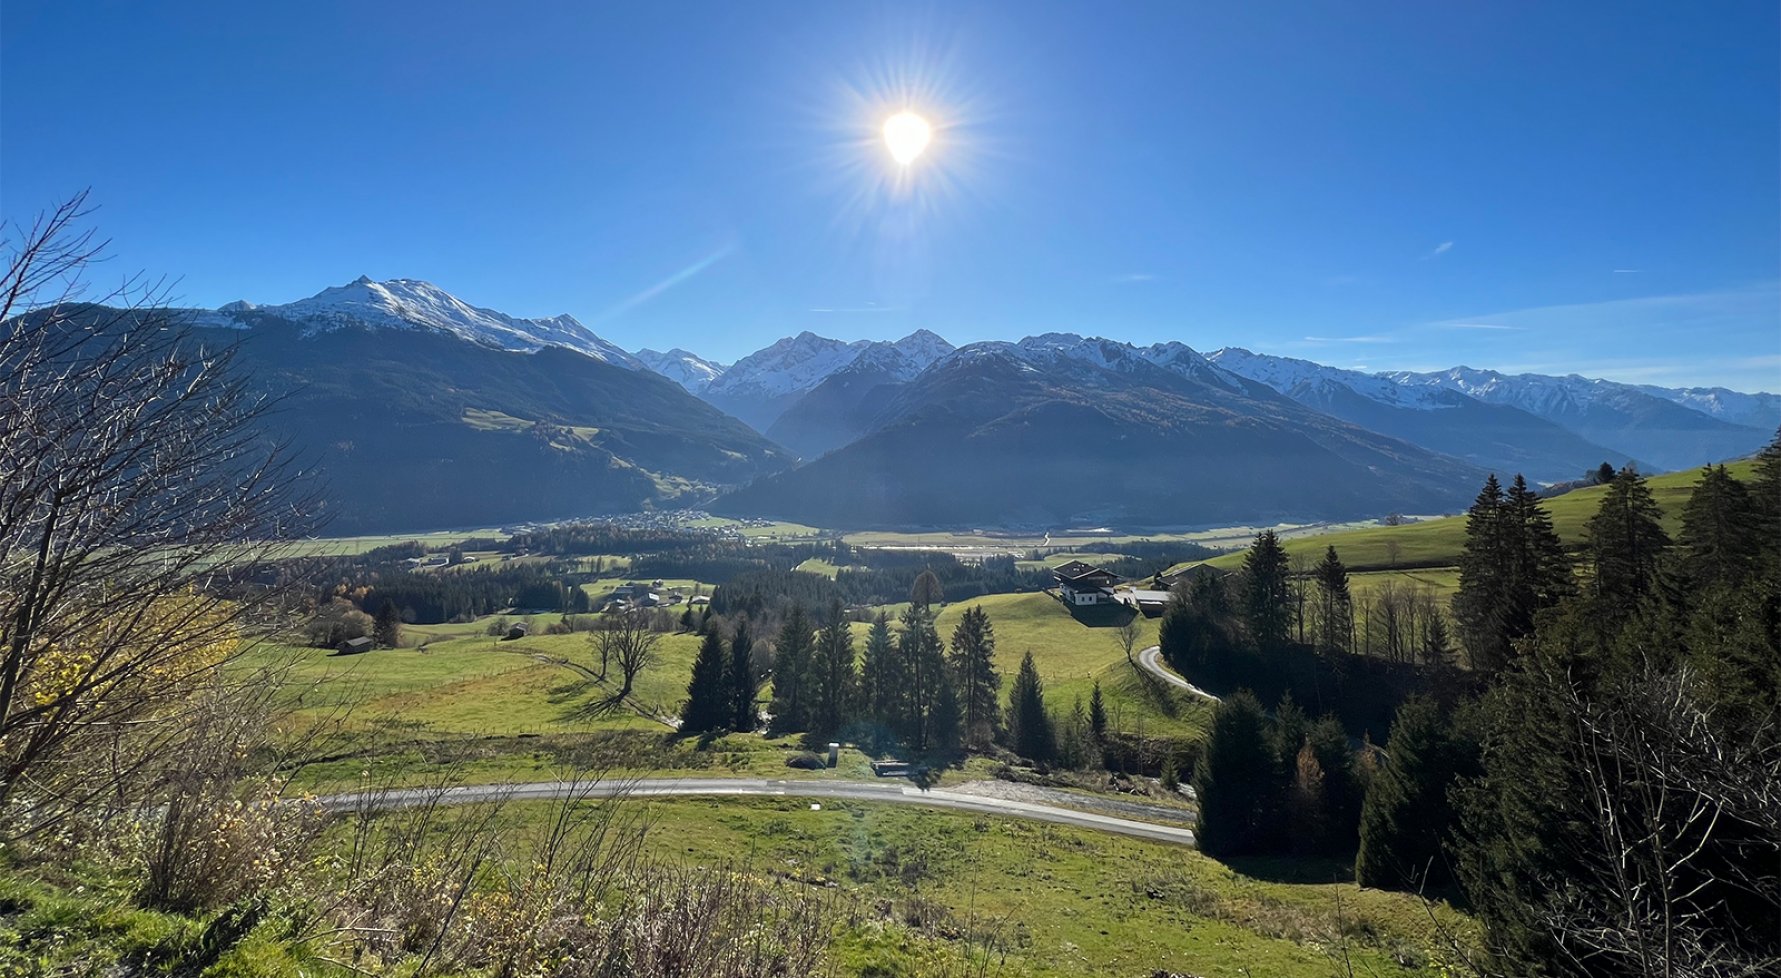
413,304
689,370
1286,374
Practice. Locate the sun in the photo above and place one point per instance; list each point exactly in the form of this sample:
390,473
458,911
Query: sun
907,135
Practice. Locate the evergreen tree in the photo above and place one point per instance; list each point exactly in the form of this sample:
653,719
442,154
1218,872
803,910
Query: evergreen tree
1626,541
1290,729
1237,780
1538,572
1721,536
833,686
1765,499
1097,713
744,688
923,661
1603,474
1483,598
881,678
1266,591
926,591
1342,790
387,627
791,671
1335,606
974,667
1029,726
1406,820
1076,748
947,720
709,702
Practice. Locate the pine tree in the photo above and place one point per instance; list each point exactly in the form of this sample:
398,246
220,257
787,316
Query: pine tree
1335,606
744,688
1029,726
1265,590
1407,819
1236,780
1076,747
1097,713
1765,497
1603,474
834,689
387,628
1437,645
1720,536
1483,597
974,667
1626,541
791,670
1290,730
881,679
709,703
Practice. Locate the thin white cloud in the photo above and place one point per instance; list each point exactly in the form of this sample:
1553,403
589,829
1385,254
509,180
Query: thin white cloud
1440,249
1518,329
1133,277
1626,271
633,301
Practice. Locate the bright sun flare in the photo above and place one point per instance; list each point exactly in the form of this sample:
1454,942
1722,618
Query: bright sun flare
907,134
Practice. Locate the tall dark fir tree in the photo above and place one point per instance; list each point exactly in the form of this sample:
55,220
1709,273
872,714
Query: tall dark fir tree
1266,591
709,702
973,663
744,715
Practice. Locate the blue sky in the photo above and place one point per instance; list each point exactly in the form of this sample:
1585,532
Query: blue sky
1585,187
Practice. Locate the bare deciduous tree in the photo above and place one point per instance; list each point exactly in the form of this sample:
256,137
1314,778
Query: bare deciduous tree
626,639
133,477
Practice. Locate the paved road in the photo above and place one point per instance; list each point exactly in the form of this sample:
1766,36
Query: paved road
1152,662
888,792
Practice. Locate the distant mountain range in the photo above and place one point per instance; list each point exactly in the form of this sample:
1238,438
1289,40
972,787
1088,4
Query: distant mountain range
813,395
421,410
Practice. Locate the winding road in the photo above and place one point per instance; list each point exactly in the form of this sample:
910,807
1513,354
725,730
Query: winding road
889,793
1151,661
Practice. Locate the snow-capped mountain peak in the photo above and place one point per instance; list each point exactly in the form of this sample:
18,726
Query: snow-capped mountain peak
689,370
404,303
1297,378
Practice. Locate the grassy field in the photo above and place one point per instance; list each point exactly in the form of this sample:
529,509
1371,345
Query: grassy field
1072,656
1060,901
1437,542
991,542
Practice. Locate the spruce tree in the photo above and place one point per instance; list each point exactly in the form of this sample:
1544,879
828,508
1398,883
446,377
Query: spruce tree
1029,726
1237,780
881,679
791,670
1407,820
1538,572
834,688
1483,598
1266,591
923,665
1721,535
1335,606
709,703
946,721
1626,542
387,628
1307,803
1765,497
743,687
1097,713
974,667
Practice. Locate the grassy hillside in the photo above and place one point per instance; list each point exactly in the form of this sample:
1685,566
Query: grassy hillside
1437,542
